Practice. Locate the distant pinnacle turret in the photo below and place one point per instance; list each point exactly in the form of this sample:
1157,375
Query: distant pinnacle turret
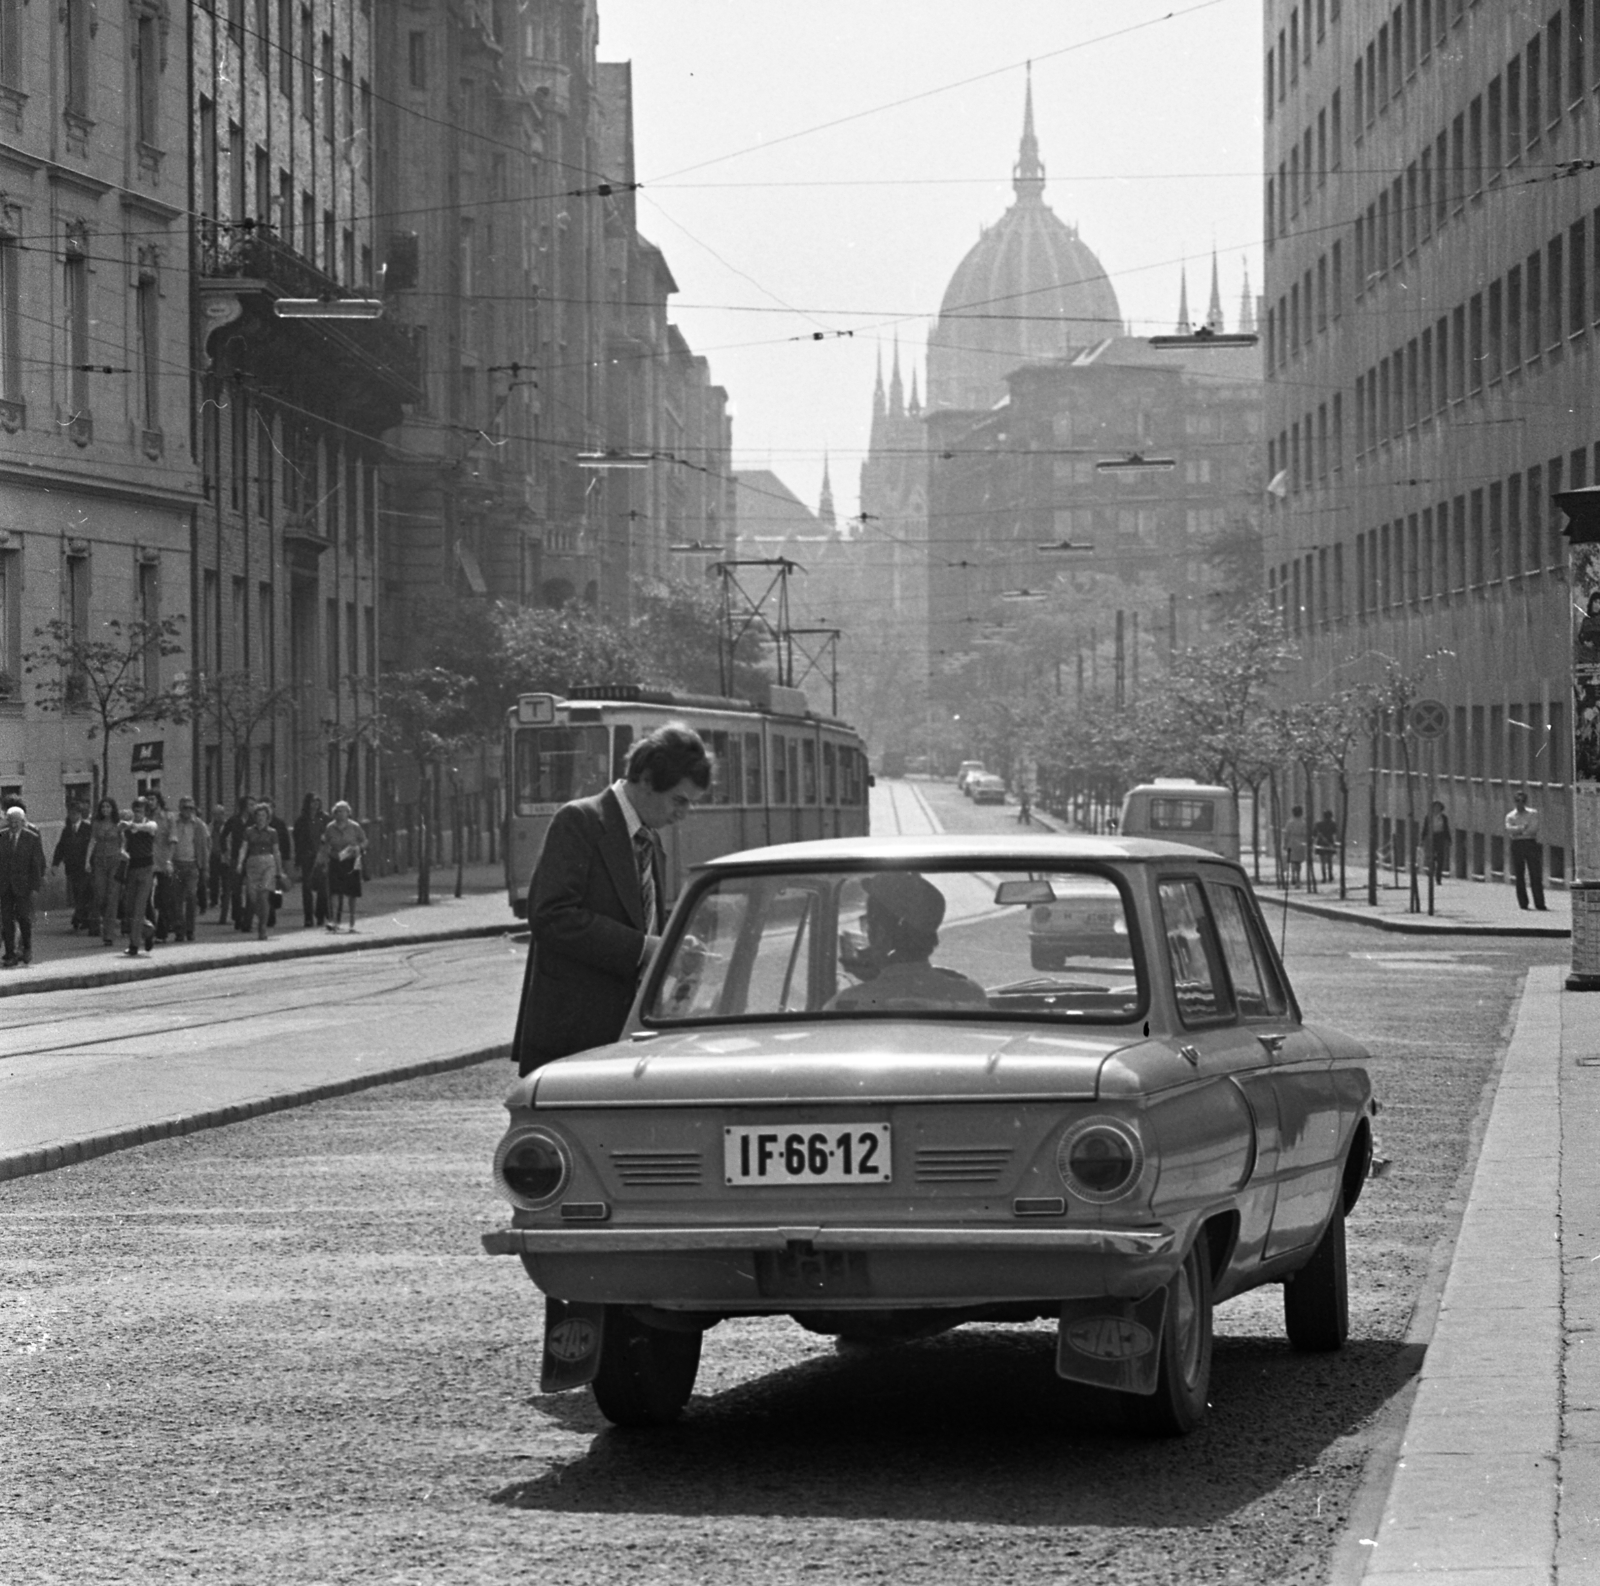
825,515
914,406
897,403
1247,306
878,403
1214,311
1185,326
1027,175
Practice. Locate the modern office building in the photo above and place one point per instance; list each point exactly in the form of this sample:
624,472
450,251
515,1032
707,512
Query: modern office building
1433,307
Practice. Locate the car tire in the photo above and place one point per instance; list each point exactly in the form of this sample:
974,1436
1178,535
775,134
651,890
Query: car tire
1183,1384
646,1373
1316,1299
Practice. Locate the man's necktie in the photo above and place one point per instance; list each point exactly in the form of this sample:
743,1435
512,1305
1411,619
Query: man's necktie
644,855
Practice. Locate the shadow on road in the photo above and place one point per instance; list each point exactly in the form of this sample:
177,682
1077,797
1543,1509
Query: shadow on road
972,1427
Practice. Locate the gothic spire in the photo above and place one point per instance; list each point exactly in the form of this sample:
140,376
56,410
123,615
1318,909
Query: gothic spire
878,404
1214,312
914,406
825,514
897,405
1185,328
1027,175
1247,306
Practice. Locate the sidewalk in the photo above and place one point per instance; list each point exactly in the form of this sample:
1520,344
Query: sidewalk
388,913
1498,1480
1460,908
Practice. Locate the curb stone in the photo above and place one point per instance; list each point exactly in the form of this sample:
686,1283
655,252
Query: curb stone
46,1159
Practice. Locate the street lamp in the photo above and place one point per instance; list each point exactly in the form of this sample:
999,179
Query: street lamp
614,457
328,308
1136,463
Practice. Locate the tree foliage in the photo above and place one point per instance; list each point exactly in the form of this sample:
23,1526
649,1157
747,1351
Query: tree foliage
103,675
237,705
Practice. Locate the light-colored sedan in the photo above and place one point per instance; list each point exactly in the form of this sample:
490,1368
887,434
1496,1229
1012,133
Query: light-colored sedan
847,1094
986,788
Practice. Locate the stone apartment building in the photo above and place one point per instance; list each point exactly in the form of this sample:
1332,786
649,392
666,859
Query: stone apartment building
98,490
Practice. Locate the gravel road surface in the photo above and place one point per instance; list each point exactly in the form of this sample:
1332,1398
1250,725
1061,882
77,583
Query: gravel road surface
274,1352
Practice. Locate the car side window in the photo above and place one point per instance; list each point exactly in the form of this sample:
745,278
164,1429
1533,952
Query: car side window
1256,987
1196,979
780,972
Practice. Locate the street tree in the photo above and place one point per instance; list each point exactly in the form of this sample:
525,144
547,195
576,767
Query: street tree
424,716
112,675
237,706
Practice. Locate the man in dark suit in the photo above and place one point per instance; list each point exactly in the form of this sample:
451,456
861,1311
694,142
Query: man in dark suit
597,901
21,875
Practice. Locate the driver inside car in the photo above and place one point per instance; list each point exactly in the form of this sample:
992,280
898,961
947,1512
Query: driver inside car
903,916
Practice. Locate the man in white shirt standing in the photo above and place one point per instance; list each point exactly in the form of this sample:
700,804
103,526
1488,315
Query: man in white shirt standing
1527,856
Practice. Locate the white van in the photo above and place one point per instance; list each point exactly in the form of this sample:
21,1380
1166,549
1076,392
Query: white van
1180,810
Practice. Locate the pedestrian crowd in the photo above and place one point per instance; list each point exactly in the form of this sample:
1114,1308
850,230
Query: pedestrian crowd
148,874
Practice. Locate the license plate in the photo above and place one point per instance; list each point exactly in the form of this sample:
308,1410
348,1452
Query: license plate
807,1153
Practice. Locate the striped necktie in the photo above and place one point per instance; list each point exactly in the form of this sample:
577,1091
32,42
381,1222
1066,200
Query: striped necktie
644,855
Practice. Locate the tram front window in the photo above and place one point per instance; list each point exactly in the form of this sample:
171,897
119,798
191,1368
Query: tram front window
555,764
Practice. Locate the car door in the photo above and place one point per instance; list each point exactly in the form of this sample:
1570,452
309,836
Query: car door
1299,1076
1218,1138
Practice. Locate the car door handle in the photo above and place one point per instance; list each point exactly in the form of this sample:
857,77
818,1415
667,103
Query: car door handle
1273,1043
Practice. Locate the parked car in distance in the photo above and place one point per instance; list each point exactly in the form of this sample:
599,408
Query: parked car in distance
848,1093
984,787
967,769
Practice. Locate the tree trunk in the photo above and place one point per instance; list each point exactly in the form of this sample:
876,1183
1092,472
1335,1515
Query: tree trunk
424,872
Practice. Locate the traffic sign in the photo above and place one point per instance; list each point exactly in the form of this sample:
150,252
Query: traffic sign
1429,719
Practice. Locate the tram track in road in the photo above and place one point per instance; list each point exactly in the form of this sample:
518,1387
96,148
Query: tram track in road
905,812
200,1006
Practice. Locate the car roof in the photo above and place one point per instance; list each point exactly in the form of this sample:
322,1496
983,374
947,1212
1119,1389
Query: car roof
950,851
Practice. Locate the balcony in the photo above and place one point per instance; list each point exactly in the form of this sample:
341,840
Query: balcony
360,372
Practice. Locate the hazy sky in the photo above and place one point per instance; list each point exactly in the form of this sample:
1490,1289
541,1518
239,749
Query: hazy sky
899,122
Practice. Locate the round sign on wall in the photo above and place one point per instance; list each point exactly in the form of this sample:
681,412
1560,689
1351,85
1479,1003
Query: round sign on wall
1429,719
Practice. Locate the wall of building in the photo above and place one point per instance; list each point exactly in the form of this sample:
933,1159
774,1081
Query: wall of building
1433,292
97,484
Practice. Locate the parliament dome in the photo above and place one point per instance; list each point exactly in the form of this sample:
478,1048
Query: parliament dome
1029,291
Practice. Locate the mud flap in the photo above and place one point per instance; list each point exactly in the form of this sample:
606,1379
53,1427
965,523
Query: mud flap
573,1330
1112,1343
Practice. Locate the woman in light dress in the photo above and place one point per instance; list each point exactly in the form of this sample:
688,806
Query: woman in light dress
106,857
261,865
343,843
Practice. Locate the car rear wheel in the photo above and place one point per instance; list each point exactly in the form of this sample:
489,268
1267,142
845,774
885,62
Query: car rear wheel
1316,1300
1178,1405
646,1373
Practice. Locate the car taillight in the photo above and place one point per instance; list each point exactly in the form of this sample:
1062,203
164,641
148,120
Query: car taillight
531,1168
1100,1159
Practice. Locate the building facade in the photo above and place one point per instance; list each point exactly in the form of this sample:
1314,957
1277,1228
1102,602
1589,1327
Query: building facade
98,488
1433,306
291,413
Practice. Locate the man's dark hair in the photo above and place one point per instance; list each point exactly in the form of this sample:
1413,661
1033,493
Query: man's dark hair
668,756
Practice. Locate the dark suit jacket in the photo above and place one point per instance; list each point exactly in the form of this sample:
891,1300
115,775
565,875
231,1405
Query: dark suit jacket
588,931
21,862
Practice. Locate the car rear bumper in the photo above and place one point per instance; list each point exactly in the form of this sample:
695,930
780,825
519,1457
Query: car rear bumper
782,1268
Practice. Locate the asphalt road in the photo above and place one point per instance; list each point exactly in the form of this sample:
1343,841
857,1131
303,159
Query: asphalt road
274,1352
92,1060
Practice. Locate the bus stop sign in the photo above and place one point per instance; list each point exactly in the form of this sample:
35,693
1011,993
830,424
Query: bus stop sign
1429,719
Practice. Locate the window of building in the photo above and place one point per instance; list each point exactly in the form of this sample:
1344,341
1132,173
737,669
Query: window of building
308,226
417,59
329,91
266,636
1513,333
207,139
75,308
308,65
286,49
76,16
146,80
147,314
150,615
10,319
77,614
1554,300
10,623
1552,53
1532,63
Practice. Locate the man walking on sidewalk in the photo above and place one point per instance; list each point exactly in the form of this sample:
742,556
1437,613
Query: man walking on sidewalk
21,875
1527,856
191,854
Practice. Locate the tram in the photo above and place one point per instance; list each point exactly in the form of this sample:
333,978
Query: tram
780,773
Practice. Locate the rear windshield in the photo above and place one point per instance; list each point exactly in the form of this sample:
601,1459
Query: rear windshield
1182,815
1058,945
